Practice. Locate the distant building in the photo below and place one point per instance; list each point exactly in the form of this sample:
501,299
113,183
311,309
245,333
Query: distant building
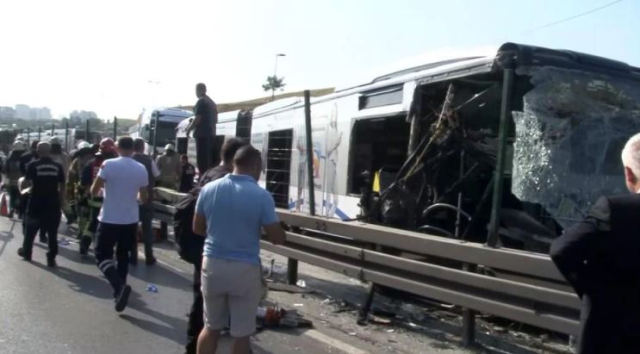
23,111
7,113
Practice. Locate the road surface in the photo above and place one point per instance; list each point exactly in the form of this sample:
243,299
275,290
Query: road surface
69,309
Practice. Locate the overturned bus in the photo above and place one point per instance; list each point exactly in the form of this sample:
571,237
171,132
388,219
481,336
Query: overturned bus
507,149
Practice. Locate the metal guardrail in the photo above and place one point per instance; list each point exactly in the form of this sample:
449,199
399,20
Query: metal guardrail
520,286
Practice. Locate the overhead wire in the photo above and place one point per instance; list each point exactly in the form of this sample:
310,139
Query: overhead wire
574,17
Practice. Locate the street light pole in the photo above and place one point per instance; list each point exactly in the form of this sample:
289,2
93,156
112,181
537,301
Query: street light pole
275,75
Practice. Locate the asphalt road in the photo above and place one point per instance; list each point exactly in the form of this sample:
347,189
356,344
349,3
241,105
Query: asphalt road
69,309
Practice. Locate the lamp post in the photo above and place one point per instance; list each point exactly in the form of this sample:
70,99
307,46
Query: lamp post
275,74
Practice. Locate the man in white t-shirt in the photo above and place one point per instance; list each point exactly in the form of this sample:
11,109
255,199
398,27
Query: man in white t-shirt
124,181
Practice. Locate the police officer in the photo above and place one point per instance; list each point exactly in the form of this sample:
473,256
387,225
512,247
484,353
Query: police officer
107,151
46,179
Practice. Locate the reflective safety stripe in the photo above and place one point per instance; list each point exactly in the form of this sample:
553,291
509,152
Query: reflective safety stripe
104,265
95,204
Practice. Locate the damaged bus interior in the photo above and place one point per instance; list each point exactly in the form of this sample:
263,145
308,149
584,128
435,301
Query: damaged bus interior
510,156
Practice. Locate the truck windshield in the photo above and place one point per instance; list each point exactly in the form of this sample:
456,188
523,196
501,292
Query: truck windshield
569,136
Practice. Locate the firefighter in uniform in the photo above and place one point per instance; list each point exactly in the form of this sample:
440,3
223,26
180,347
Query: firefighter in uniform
107,151
75,193
47,182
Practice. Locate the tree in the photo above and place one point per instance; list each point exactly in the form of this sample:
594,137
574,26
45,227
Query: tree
274,83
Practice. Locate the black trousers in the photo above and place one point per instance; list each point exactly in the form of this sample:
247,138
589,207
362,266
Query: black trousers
123,238
196,315
45,222
204,153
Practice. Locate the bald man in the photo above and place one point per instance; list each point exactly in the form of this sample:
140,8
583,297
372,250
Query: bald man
46,178
600,258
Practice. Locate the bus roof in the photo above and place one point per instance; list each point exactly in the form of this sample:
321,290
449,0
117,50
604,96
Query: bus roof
525,56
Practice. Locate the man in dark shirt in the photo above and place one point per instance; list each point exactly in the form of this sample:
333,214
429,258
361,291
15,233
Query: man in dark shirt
46,178
188,173
26,158
204,125
194,244
146,209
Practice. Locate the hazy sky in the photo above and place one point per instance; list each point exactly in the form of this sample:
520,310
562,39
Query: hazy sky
115,57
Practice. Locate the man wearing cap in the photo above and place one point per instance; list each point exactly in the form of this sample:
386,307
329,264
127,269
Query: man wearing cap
169,166
107,151
11,169
46,179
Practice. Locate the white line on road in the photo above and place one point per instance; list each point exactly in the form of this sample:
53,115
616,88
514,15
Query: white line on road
334,343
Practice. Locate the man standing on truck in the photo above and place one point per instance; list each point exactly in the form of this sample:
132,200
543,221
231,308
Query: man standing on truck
599,259
231,213
204,125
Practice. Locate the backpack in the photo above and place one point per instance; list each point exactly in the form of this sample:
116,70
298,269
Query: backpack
189,245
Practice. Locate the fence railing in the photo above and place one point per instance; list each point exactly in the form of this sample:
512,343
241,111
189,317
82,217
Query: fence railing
516,285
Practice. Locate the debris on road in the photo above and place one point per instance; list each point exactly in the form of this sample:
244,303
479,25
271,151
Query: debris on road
152,288
301,283
274,316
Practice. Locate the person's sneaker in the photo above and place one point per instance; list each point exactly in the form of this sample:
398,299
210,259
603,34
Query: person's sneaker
23,255
150,261
122,298
51,263
85,242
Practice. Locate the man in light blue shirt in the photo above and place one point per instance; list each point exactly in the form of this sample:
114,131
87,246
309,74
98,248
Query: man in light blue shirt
231,213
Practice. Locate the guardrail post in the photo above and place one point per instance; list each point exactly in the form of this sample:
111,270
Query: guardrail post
86,133
468,319
66,136
292,264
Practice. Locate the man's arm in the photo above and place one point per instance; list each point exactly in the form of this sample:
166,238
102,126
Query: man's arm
199,224
275,233
270,223
154,169
97,185
143,195
571,251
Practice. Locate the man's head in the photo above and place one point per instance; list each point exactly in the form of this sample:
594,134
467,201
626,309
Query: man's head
184,159
248,161
125,146
43,149
138,145
631,162
229,149
169,149
107,147
201,90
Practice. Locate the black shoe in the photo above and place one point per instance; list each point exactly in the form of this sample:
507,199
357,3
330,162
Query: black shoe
122,298
24,255
85,242
51,263
150,261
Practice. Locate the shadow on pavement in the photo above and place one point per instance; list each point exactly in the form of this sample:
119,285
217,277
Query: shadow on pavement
5,238
80,282
172,328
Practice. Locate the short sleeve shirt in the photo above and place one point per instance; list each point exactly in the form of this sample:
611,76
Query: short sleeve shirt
45,175
123,177
236,208
208,111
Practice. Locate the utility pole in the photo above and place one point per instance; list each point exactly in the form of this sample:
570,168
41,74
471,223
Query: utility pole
275,75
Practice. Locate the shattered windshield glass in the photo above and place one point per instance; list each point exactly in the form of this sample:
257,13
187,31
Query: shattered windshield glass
569,138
